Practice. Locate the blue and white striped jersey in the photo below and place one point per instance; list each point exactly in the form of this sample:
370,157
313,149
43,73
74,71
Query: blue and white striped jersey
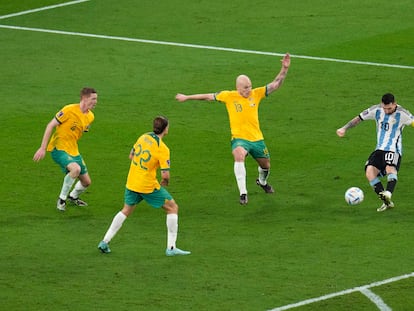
389,126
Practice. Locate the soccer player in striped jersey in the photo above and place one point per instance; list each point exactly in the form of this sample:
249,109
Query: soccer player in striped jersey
149,154
69,124
247,138
391,118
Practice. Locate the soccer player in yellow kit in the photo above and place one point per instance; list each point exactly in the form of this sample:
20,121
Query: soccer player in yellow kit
148,155
70,123
246,137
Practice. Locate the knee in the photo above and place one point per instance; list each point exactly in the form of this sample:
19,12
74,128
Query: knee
238,157
174,209
239,154
86,183
85,180
171,207
74,170
264,164
127,210
371,173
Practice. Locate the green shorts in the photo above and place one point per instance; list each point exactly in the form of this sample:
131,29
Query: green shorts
63,159
156,198
257,149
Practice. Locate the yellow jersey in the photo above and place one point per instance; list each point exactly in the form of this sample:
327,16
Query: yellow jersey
72,124
150,153
243,113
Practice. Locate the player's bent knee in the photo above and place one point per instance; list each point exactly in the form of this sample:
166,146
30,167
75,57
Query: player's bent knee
171,207
86,183
74,169
85,180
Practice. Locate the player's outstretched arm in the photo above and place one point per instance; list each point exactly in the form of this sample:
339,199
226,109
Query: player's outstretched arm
354,122
183,97
40,153
277,82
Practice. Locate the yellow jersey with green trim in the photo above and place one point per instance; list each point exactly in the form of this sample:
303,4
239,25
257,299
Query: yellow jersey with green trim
150,153
243,113
72,124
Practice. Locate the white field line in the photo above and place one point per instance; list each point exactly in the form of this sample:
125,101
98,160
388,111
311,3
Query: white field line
42,9
375,299
363,289
196,46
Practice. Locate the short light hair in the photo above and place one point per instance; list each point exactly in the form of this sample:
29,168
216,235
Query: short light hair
87,91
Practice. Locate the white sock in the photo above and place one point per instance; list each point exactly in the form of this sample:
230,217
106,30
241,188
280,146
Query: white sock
240,173
115,226
67,185
77,190
172,230
263,175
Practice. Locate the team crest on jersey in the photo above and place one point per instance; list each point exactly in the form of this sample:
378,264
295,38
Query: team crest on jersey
252,103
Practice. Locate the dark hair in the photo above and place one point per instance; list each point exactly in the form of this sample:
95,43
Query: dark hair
159,124
86,91
388,99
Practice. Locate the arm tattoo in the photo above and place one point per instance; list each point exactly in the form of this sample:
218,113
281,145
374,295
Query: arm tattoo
355,121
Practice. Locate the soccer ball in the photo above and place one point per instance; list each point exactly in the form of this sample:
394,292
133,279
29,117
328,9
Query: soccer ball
354,196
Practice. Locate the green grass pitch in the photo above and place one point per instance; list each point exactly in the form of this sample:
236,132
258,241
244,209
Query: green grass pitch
301,243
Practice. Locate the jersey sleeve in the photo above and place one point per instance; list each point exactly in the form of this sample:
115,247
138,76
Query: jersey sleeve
410,120
221,96
62,115
409,117
369,114
261,92
164,160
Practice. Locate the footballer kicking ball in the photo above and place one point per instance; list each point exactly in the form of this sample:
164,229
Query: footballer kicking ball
354,196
